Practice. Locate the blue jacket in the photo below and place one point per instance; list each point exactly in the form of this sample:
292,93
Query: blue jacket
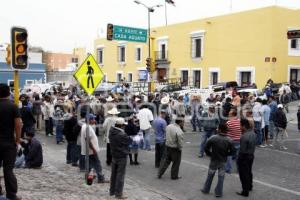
273,106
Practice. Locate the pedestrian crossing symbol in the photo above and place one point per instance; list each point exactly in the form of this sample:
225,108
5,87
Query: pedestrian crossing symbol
89,75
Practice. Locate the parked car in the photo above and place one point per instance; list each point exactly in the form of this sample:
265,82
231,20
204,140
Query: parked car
250,91
171,88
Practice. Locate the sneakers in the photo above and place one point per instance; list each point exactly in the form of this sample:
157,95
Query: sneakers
262,146
103,181
283,148
121,197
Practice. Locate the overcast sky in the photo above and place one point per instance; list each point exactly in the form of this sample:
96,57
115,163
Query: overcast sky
61,25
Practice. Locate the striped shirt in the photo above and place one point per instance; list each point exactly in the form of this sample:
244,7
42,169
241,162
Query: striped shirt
234,129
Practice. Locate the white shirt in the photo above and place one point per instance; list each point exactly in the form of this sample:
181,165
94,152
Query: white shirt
145,116
108,123
93,139
257,112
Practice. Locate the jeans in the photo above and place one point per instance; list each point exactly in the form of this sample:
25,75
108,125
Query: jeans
8,153
94,162
72,152
20,161
228,166
195,122
279,136
265,132
59,133
210,177
245,162
147,145
271,129
49,126
170,155
118,170
204,137
258,132
108,154
159,151
82,162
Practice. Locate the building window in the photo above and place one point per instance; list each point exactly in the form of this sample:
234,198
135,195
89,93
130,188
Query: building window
74,60
294,47
138,54
197,47
29,82
245,78
10,83
294,75
100,56
119,77
129,78
121,51
295,44
163,51
105,78
214,78
184,77
197,78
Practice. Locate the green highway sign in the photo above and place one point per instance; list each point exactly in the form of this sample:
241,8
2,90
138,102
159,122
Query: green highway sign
129,34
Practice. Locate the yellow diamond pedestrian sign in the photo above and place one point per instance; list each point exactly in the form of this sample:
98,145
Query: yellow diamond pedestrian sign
89,75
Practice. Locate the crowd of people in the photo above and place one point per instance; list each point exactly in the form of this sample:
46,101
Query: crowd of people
230,126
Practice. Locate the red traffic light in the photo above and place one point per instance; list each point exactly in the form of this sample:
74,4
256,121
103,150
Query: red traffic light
21,37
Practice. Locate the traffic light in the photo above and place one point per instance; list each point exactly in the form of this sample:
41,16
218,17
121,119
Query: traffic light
110,32
19,48
293,34
148,63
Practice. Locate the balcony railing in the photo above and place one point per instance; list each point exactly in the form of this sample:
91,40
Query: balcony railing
161,55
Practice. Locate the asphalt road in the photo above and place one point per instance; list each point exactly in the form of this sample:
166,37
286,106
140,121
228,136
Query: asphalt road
276,173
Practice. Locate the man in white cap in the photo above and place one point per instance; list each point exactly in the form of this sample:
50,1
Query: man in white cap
120,149
108,123
280,123
165,105
109,105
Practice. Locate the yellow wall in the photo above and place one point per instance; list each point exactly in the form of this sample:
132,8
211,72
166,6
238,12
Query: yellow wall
81,53
236,40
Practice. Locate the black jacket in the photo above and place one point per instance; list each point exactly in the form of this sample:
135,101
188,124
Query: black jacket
280,119
218,147
27,116
119,143
33,153
69,124
131,129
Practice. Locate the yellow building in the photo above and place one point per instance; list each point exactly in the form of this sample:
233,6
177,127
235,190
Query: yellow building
80,53
248,47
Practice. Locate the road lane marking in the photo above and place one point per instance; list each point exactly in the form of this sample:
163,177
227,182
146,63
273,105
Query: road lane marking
236,176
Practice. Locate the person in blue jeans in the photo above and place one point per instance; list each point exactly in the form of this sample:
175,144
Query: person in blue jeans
218,148
210,124
59,122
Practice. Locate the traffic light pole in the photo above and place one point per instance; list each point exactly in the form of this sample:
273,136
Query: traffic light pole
16,87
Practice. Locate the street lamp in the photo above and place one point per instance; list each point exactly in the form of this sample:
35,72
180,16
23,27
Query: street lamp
150,9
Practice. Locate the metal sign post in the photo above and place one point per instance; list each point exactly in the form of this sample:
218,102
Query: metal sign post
89,75
16,87
87,141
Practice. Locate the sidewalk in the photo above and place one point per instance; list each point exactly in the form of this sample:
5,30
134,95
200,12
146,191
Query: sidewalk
57,180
